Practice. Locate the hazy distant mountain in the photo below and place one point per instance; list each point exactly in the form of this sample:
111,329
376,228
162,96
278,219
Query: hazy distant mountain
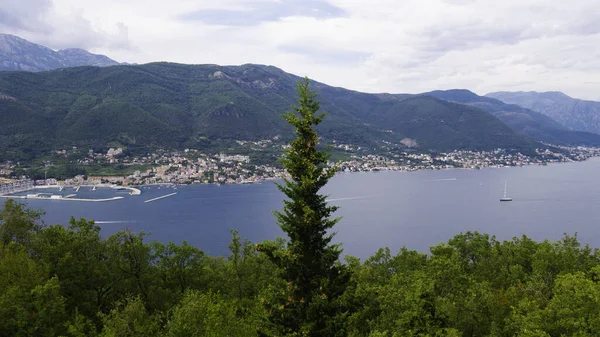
177,106
528,122
21,55
575,114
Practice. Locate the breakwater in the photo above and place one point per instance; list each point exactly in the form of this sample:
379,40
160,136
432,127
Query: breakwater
158,198
59,199
20,187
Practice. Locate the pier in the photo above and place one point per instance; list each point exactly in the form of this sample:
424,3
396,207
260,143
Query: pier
36,197
158,198
9,189
134,191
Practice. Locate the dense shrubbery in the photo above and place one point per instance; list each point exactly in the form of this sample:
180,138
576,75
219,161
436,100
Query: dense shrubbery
72,282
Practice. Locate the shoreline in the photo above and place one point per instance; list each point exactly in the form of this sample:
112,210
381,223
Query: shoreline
135,188
388,169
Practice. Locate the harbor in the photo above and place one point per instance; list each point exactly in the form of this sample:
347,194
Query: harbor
37,196
26,189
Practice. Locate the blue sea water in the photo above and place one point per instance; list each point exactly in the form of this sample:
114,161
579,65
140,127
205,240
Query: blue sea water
394,209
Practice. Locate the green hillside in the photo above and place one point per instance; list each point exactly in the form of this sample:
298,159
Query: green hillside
447,126
175,106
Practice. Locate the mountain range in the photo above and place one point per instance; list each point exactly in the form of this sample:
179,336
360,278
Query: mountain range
19,54
175,105
168,105
525,121
575,114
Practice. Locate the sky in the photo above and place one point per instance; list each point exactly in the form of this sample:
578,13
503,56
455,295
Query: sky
396,46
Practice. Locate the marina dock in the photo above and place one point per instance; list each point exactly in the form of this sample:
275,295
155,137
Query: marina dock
8,191
158,198
35,197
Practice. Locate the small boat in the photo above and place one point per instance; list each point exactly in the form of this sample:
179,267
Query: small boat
505,198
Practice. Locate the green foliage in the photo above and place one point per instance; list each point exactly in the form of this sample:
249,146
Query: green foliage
77,255
309,304
477,286
30,300
81,326
17,224
47,307
180,267
210,315
132,261
130,320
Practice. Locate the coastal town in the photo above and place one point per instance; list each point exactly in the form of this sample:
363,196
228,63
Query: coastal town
194,167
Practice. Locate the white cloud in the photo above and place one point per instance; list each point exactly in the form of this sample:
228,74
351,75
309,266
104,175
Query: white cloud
376,46
25,16
58,27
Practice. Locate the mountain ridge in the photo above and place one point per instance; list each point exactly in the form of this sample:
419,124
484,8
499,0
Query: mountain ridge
574,114
525,121
18,54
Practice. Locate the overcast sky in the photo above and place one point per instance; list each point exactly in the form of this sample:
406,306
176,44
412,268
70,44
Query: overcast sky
398,46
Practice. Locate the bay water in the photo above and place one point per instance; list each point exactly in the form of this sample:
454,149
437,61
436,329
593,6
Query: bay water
378,209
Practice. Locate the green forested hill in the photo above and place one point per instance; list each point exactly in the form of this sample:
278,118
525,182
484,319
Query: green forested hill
444,125
174,106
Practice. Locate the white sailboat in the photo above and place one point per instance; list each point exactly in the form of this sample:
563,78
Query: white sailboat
505,198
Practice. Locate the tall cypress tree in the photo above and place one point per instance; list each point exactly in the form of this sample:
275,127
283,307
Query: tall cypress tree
309,305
